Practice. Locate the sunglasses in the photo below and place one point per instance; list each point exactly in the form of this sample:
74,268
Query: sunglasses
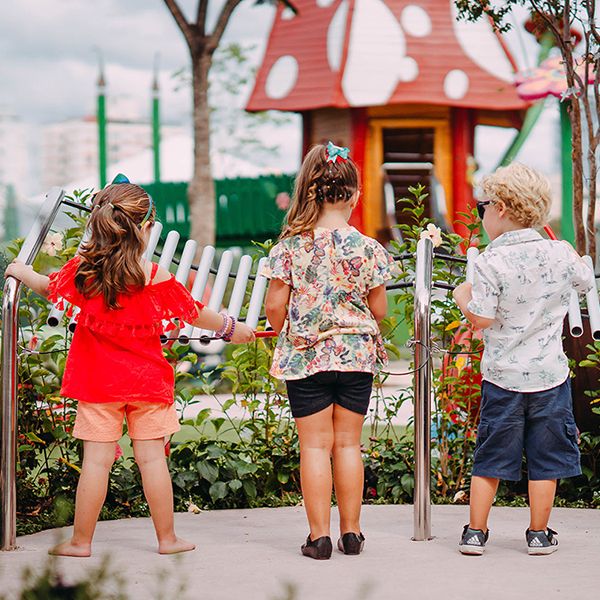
481,207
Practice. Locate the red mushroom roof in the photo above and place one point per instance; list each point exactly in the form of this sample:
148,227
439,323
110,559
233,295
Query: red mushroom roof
345,53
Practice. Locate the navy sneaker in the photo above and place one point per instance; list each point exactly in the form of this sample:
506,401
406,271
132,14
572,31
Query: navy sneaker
473,541
541,542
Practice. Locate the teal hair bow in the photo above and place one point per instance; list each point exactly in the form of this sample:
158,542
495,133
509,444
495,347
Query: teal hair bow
334,152
120,178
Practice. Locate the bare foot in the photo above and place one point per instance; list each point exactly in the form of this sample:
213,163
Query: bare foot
175,546
70,549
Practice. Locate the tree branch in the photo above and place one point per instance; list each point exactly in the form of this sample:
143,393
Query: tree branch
590,7
224,17
179,19
201,15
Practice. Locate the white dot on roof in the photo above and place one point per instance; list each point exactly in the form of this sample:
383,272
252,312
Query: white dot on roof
324,3
456,84
480,44
335,36
375,49
416,21
287,14
282,77
409,69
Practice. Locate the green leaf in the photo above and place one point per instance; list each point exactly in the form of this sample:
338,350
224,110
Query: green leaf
587,363
283,477
218,423
408,483
202,416
208,471
244,468
249,488
218,491
235,484
215,451
31,436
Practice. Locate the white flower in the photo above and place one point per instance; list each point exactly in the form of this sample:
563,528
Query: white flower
460,497
434,234
192,508
52,244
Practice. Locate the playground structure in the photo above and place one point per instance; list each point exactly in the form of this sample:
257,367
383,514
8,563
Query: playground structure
402,83
421,343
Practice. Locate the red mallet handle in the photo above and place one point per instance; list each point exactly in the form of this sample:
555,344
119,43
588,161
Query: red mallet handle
550,233
265,334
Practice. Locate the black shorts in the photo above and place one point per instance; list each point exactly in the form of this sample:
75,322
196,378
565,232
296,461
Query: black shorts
349,389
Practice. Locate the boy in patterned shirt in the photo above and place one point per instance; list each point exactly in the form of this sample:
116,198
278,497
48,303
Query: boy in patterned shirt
520,297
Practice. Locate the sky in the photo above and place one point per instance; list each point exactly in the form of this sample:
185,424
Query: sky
49,64
49,53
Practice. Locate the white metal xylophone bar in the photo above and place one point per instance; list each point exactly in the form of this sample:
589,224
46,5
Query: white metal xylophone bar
166,257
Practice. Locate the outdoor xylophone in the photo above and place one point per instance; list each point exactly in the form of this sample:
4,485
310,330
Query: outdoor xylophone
184,266
422,345
243,277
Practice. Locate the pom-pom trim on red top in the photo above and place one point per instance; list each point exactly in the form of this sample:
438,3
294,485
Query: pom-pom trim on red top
164,301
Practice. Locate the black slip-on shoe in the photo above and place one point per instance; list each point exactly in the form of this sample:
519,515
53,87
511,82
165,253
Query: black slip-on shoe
351,543
319,549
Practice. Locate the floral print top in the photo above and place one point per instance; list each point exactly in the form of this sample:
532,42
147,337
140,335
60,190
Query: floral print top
524,283
329,326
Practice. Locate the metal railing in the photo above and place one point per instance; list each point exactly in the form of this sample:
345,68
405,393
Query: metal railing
422,390
8,408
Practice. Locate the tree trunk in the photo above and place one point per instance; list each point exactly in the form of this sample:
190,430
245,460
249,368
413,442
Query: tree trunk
201,191
576,132
575,116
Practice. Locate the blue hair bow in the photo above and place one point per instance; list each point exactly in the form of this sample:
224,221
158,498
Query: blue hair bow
334,152
120,178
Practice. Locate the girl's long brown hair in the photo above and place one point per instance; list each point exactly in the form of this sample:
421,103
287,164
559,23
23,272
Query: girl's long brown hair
110,261
319,181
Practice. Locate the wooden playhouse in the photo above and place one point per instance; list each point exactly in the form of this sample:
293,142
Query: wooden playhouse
402,83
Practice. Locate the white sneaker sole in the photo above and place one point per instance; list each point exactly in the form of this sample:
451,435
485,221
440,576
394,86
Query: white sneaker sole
542,551
472,550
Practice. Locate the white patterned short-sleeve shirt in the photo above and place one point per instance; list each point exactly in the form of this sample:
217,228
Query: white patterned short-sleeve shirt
329,326
524,283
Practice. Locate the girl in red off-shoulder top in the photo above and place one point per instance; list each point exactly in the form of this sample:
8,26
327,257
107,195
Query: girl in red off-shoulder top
115,367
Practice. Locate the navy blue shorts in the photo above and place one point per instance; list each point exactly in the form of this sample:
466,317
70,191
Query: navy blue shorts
539,423
349,389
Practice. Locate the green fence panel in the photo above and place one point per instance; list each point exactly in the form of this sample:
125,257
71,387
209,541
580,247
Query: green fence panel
245,208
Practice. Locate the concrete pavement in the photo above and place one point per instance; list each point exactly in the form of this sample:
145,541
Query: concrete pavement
254,555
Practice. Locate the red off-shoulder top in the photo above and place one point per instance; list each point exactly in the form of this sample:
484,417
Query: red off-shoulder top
116,354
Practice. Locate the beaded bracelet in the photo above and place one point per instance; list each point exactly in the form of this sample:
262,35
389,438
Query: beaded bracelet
224,327
229,335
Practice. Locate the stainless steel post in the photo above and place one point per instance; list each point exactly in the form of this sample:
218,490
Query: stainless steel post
8,405
422,390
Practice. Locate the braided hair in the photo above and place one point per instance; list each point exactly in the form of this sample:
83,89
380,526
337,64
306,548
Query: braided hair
319,181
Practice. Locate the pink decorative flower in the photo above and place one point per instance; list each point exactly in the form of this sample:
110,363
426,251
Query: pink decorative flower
283,200
549,79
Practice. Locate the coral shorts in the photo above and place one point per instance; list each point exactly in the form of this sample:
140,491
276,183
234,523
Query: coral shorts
103,422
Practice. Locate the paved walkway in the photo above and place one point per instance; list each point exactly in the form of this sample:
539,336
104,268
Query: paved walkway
254,555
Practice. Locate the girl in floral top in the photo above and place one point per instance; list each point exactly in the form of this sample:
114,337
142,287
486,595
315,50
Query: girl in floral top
326,297
115,367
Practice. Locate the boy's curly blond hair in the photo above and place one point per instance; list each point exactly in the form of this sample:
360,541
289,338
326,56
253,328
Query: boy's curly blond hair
525,193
